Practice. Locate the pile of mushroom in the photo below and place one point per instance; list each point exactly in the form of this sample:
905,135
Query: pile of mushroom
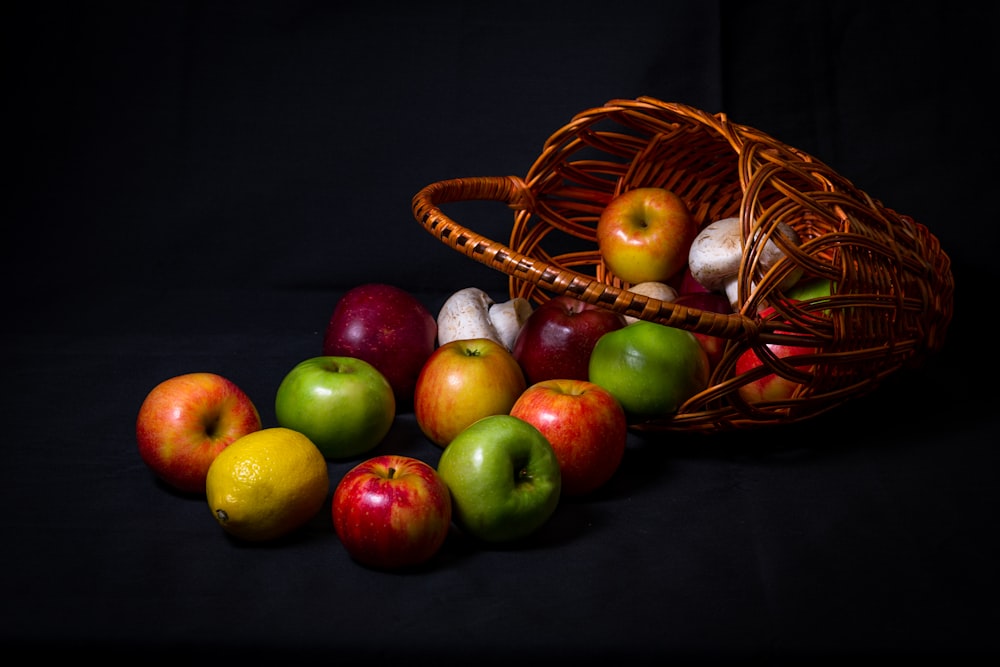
716,252
472,313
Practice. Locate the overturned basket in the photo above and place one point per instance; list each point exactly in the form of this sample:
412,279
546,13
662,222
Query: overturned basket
893,296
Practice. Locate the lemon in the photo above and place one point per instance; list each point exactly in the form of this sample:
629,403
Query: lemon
267,483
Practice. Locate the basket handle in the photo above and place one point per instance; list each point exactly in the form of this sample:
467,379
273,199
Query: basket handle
513,191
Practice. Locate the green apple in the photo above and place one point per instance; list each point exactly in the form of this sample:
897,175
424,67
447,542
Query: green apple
649,367
343,404
504,478
810,288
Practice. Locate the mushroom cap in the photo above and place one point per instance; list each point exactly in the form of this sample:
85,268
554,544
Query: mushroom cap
465,315
654,289
508,317
715,254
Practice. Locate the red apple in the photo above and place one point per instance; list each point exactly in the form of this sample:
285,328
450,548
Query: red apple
771,387
711,302
645,234
585,425
389,328
465,380
556,340
185,421
391,511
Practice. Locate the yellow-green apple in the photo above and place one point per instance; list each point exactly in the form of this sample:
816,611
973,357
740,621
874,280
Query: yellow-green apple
650,368
185,421
644,235
654,289
772,386
462,381
713,302
558,336
504,479
585,425
392,511
389,328
473,313
344,405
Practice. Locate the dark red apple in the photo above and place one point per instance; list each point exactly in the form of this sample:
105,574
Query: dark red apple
713,302
556,340
688,285
389,328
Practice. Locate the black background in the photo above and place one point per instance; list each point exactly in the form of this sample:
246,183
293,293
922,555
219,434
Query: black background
193,186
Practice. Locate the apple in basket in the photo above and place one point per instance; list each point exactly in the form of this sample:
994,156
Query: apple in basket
644,235
389,328
557,338
772,386
650,368
713,302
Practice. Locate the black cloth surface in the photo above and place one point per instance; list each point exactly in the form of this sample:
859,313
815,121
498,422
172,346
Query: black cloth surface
196,183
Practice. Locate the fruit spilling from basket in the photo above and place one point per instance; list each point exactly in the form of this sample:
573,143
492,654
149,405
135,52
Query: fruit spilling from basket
668,270
791,222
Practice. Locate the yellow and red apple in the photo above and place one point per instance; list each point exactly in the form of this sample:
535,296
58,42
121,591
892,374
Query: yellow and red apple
185,421
462,381
645,234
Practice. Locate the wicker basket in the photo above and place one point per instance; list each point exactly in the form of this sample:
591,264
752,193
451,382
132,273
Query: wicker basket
893,299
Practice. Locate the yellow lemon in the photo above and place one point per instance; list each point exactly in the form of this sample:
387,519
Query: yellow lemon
267,483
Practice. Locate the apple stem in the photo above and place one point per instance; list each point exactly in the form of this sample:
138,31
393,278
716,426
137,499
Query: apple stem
392,473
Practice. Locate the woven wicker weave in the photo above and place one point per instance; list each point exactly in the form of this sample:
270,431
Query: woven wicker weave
894,287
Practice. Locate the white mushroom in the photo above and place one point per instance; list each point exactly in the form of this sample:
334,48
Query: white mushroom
472,313
715,255
508,317
657,290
